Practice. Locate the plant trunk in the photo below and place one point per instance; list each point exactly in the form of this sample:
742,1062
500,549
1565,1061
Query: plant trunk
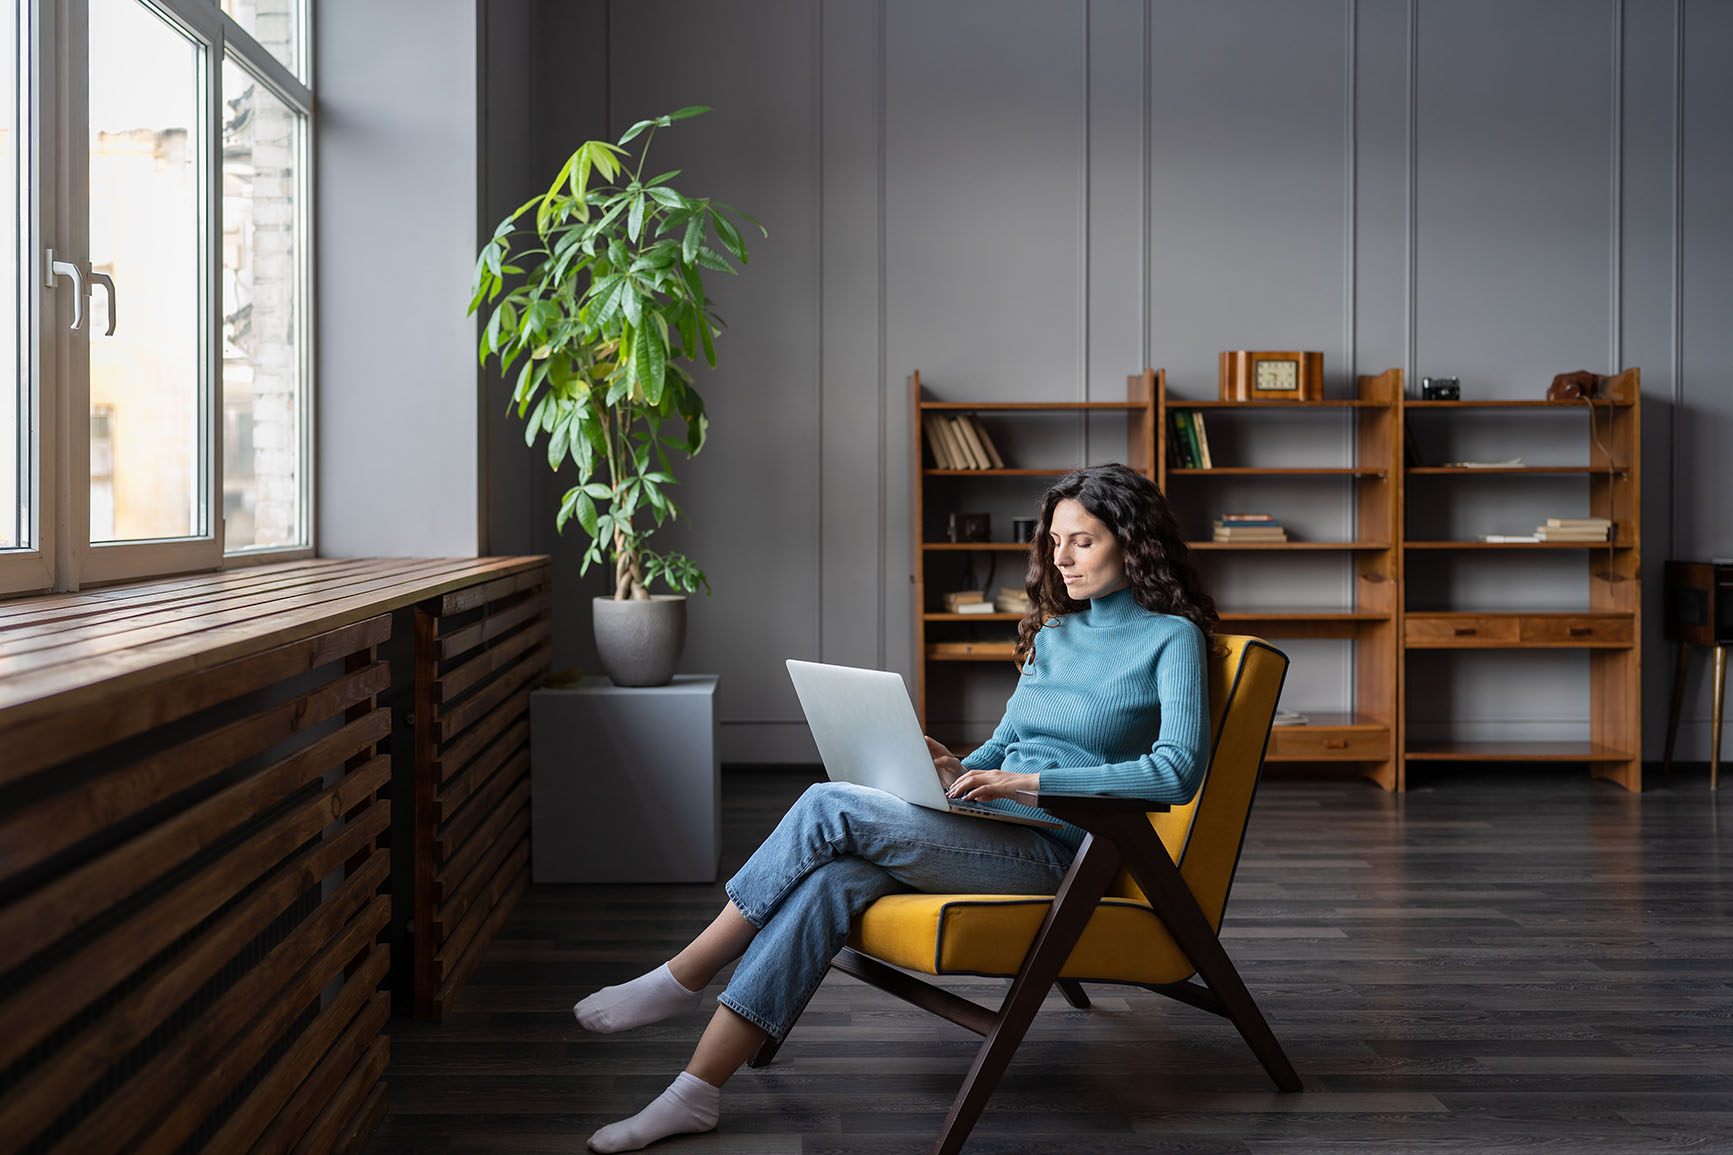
628,575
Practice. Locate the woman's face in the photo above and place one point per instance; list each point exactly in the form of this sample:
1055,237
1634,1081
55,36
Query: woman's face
1085,552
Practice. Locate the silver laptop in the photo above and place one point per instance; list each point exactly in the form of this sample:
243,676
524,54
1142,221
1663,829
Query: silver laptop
867,734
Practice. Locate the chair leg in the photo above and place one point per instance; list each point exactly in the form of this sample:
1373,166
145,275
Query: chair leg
1091,871
1074,994
1174,904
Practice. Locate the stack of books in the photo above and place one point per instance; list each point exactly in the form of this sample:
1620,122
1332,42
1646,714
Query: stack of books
1574,529
1187,443
1249,527
1012,600
960,442
967,602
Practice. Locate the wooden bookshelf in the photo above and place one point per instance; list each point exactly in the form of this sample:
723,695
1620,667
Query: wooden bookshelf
950,649
1364,737
1608,627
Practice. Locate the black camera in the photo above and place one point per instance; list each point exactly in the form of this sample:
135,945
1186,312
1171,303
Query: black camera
1440,389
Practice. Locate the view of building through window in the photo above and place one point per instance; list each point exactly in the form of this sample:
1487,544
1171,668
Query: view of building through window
275,24
14,491
145,234
261,328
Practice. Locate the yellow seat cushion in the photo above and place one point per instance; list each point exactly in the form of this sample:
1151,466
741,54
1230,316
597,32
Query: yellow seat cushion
990,934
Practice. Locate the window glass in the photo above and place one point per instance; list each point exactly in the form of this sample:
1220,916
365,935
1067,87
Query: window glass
275,24
146,394
262,313
15,488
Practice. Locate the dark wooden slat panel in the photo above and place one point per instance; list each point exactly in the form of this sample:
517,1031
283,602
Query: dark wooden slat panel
461,717
57,908
305,1078
454,682
500,622
352,1138
448,762
196,1077
512,813
79,683
38,1098
60,737
473,597
454,793
101,964
58,822
482,804
504,862
447,992
349,1102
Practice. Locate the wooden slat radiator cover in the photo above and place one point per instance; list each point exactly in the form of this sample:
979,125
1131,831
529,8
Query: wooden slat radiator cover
479,652
192,893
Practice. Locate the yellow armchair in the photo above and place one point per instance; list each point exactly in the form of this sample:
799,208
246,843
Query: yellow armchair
1142,904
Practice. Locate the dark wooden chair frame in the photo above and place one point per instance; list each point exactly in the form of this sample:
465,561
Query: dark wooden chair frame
1119,834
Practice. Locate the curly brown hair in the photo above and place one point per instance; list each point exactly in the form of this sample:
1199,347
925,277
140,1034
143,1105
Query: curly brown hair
1158,563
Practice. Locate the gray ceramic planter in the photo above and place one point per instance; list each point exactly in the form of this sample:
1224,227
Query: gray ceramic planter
639,642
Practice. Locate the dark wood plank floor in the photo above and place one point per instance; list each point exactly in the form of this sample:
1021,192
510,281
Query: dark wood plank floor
1501,960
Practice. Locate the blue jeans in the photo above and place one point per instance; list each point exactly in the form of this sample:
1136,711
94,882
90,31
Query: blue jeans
839,849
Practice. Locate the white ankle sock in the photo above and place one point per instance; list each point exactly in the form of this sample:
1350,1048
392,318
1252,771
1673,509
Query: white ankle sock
688,1105
649,998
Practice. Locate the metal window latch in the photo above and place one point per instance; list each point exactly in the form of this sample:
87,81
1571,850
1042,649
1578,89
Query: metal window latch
80,291
69,269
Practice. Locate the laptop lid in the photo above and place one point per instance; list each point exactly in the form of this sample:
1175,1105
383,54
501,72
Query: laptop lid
866,730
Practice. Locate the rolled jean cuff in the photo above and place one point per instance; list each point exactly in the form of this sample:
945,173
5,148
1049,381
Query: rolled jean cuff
754,917
753,1017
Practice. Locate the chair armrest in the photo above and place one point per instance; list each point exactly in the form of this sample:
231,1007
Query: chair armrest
1073,807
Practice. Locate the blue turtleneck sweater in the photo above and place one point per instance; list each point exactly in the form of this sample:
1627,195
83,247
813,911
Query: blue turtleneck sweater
1111,702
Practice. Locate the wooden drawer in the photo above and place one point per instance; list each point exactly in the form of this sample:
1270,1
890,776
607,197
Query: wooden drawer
1327,744
1587,630
1461,630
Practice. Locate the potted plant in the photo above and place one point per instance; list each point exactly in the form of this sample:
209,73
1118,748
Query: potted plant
597,304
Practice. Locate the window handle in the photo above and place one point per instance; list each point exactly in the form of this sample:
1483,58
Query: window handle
58,269
107,282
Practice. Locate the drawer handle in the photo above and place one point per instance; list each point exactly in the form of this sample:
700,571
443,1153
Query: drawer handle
1335,743
1465,631
1581,631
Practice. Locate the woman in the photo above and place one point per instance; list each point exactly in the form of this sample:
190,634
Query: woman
1111,700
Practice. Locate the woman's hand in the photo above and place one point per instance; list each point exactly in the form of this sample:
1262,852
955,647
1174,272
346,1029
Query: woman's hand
976,785
945,763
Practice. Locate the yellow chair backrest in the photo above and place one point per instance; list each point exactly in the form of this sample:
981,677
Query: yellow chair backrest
1204,835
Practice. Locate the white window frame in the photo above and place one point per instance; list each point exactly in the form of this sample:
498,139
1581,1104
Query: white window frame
53,88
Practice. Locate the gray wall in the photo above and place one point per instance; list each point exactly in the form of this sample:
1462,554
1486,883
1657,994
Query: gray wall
394,241
1032,199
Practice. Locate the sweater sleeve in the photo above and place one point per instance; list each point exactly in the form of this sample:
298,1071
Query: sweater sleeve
990,755
1174,766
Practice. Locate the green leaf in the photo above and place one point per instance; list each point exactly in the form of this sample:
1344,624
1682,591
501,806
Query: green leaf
635,219
694,237
597,490
586,510
557,445
709,345
729,236
666,197
690,110
667,176
631,134
632,304
709,258
534,426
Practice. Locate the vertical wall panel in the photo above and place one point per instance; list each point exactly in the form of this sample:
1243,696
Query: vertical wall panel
750,499
1514,219
1248,183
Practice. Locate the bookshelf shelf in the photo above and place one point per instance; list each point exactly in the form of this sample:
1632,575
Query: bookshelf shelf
1342,403
1031,406
993,617
1353,546
1441,751
1508,470
1518,545
995,472
1278,471
1598,403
